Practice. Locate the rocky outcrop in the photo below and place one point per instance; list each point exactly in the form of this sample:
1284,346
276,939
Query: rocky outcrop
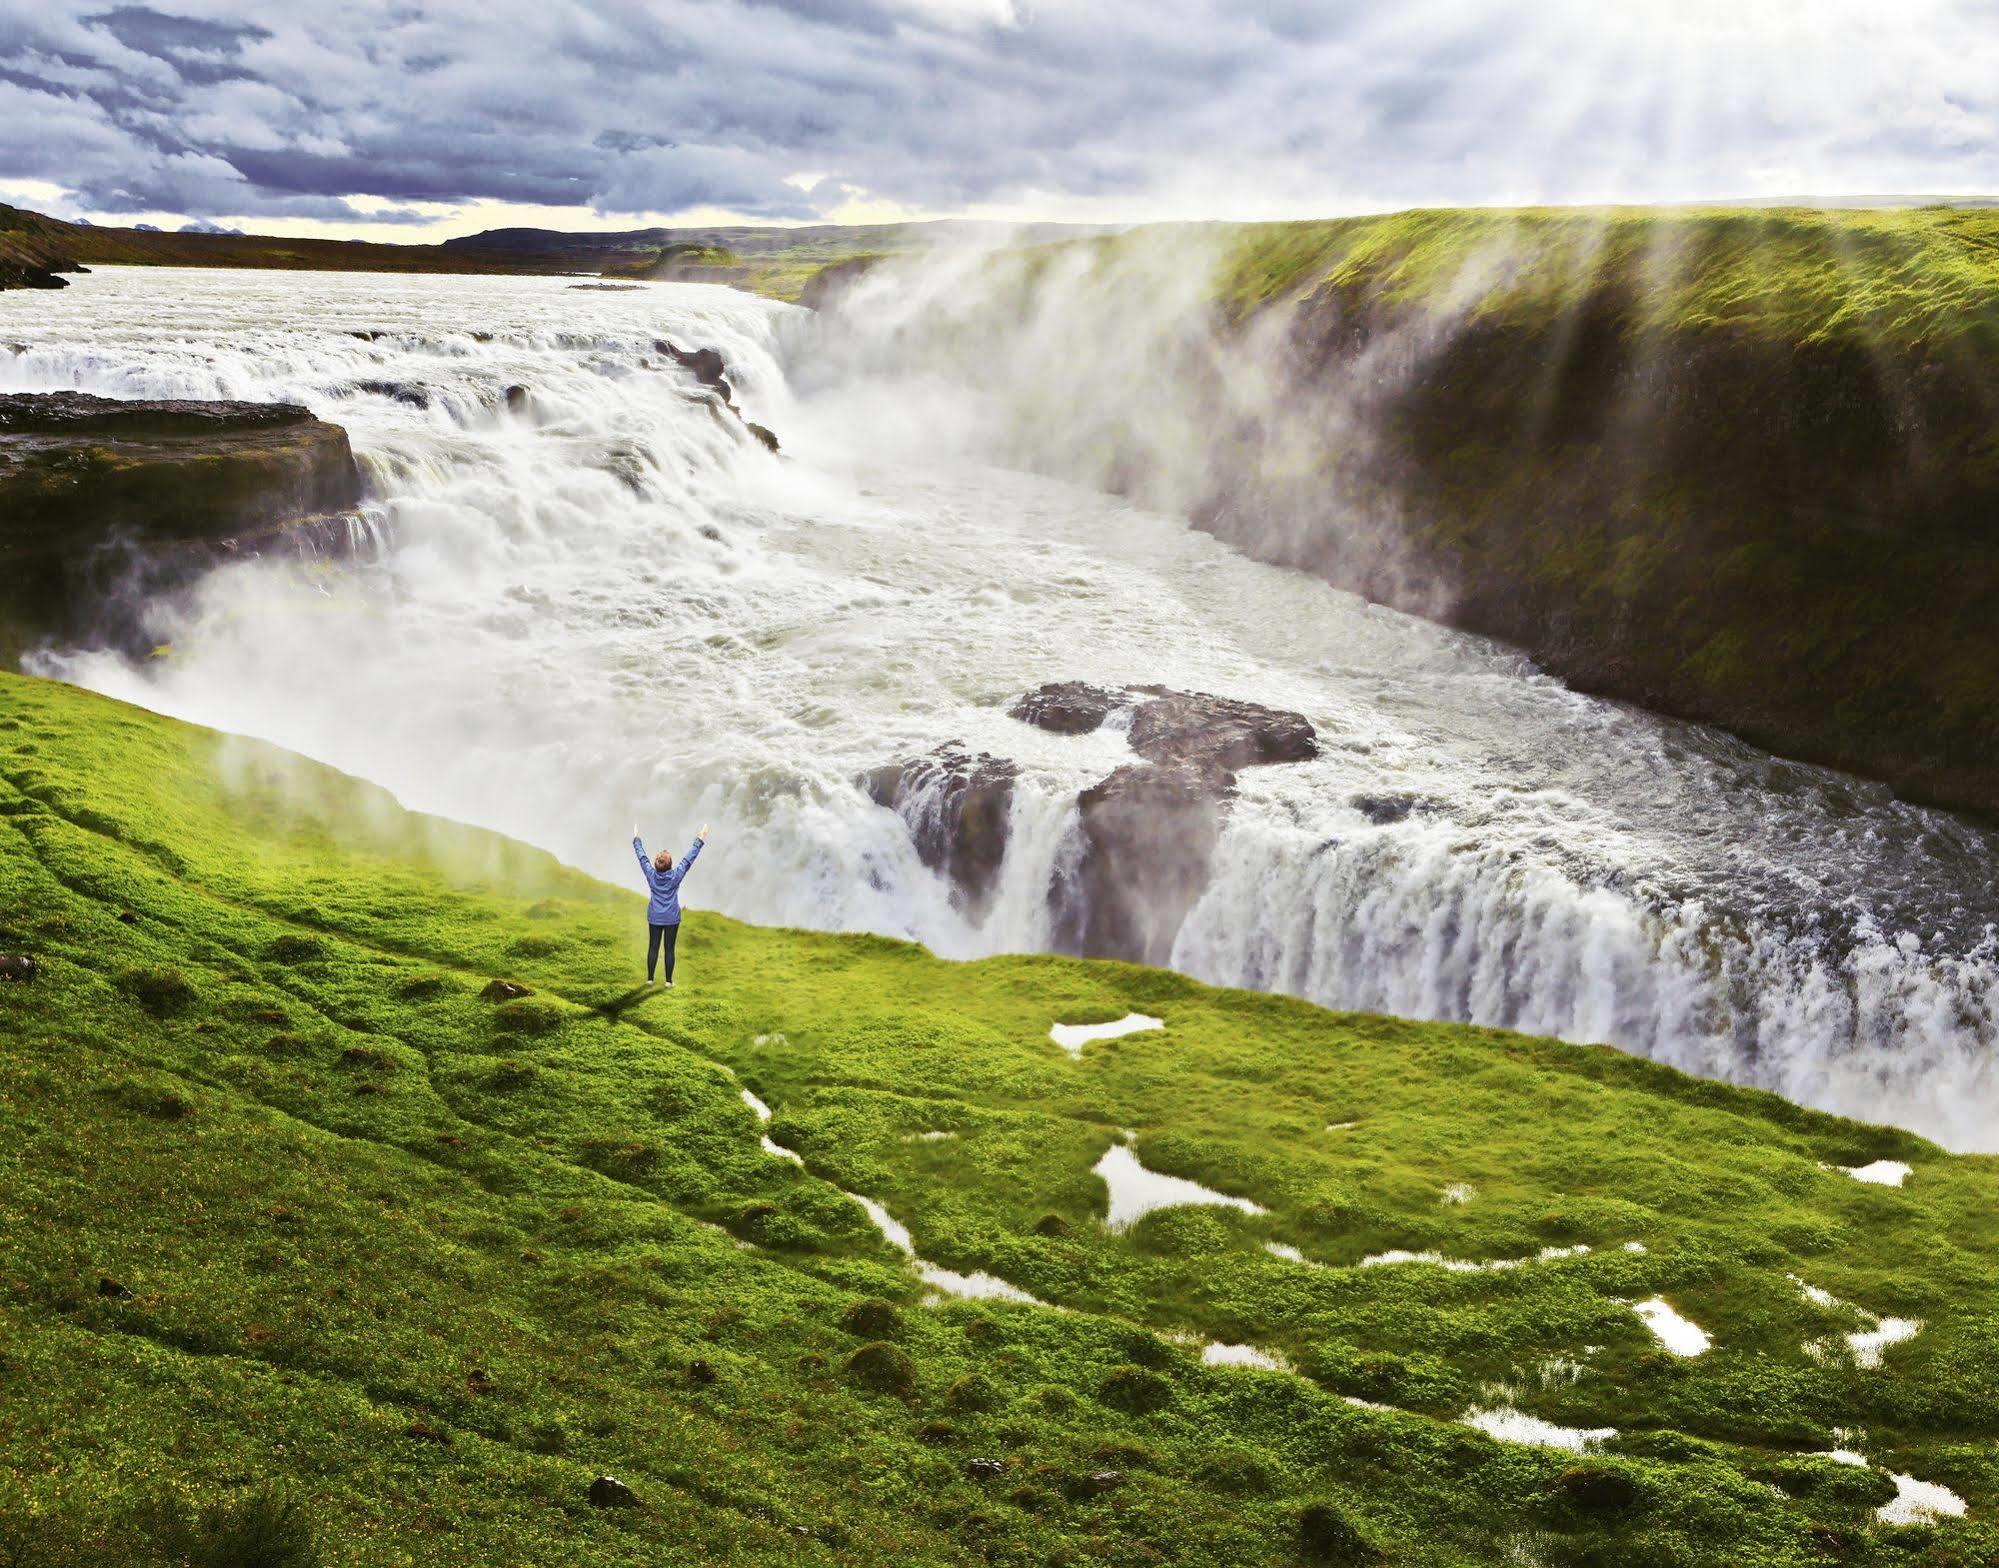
102,499
1146,833
712,371
837,278
1149,830
1066,707
16,276
956,805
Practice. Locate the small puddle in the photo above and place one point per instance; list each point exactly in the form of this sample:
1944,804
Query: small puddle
1916,1502
1867,1344
1679,1336
1511,1425
1073,1037
1218,1355
1437,1260
976,1286
1135,1191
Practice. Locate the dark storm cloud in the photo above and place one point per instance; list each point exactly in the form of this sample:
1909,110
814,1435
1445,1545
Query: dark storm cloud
786,108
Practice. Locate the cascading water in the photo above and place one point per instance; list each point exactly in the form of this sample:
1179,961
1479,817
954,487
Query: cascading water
597,599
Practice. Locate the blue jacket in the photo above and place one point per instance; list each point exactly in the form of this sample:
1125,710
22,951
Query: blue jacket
664,910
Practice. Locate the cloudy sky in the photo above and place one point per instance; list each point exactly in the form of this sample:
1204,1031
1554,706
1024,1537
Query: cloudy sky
416,119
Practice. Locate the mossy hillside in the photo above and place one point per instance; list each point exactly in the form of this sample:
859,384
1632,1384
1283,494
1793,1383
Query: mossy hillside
285,1199
1899,280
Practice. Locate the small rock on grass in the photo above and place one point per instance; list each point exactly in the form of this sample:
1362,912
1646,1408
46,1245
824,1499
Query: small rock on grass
609,1492
504,991
16,966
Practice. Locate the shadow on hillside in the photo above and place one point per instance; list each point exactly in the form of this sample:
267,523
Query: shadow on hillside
616,1006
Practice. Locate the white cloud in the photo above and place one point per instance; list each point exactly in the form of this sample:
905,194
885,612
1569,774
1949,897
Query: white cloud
1114,109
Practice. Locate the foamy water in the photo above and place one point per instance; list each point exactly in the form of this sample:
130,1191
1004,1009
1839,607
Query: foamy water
607,603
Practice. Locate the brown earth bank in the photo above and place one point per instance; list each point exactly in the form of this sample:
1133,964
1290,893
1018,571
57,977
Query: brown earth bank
103,501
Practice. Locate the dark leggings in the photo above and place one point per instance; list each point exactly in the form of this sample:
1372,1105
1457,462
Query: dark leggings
668,934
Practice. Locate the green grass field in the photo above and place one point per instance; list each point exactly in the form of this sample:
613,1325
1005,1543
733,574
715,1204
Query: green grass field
306,1248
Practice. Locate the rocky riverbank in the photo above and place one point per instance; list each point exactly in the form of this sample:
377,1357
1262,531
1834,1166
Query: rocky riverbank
103,500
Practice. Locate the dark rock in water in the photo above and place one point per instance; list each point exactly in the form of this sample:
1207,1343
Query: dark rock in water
709,368
1219,731
15,276
103,501
609,1492
956,805
401,391
504,991
1383,810
517,399
1067,707
1150,829
1149,832
985,1469
16,966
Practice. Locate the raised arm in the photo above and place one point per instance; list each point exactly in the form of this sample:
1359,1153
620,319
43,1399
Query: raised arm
645,862
687,860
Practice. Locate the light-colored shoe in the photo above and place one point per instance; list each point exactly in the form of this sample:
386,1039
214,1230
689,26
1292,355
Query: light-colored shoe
651,981
669,985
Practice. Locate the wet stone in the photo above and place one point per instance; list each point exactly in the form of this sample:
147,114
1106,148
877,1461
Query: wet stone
609,1492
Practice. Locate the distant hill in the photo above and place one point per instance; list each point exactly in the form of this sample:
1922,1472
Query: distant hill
775,261
31,241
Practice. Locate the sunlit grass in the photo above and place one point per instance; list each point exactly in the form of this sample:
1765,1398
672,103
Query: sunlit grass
284,1199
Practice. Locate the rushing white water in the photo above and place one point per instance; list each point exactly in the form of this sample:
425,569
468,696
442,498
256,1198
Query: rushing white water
607,602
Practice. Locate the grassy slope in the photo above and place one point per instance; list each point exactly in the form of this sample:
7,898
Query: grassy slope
1901,279
434,1262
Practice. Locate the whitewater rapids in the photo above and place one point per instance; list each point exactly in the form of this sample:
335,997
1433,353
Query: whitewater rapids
604,601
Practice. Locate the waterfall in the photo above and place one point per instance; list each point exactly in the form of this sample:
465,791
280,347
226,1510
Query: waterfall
581,593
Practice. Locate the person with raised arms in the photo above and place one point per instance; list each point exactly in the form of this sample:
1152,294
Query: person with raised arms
663,879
